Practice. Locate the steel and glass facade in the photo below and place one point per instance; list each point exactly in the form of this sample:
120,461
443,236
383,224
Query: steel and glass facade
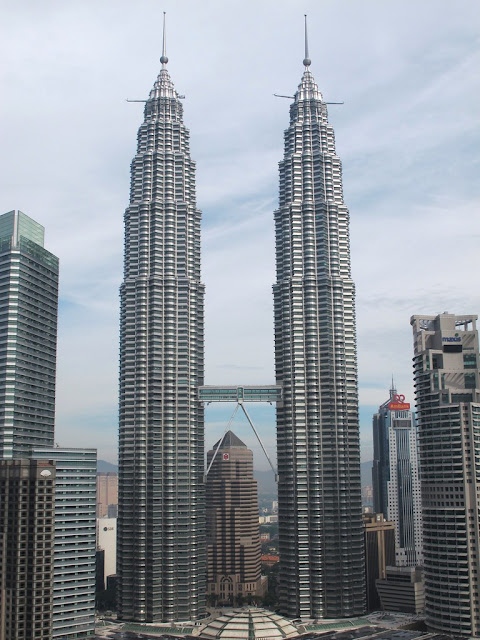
396,479
28,339
320,513
447,385
161,519
28,336
74,540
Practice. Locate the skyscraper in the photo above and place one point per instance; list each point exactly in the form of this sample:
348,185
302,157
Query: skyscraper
26,549
63,568
396,480
28,336
74,541
320,513
161,518
233,534
446,370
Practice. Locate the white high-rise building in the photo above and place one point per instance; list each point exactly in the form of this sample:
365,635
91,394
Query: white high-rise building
74,540
446,369
161,504
319,501
396,479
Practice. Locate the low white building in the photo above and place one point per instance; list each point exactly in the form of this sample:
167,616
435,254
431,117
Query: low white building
107,540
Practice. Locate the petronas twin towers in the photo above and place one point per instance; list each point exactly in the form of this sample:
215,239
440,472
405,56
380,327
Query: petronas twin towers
161,525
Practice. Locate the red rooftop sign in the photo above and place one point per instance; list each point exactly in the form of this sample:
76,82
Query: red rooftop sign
398,404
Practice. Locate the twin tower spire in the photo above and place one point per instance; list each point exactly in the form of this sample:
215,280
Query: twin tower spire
164,59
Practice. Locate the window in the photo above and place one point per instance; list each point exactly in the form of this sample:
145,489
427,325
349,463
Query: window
470,360
470,381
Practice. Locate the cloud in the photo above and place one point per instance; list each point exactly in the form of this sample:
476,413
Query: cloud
407,135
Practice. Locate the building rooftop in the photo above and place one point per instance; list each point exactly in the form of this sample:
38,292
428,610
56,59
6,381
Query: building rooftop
230,440
249,623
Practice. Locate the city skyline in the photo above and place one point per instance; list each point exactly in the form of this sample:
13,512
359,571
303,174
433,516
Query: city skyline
408,110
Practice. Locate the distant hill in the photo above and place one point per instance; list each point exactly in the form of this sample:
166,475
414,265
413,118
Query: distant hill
103,465
366,473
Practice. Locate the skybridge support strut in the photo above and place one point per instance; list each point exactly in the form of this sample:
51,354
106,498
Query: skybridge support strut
259,440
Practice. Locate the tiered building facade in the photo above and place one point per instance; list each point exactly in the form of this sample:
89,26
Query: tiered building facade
320,512
161,518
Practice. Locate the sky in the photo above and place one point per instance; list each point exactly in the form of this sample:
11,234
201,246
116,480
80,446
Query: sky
408,136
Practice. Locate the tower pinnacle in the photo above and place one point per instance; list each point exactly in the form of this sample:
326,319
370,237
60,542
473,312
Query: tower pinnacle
393,389
306,61
164,58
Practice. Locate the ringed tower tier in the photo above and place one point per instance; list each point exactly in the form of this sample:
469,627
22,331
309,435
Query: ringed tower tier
161,519
318,448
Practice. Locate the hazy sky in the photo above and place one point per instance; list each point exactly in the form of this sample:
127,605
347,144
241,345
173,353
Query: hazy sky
408,136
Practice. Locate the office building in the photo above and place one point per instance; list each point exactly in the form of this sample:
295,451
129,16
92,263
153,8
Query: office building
396,480
447,388
233,533
74,541
379,553
28,339
402,589
107,494
26,548
318,448
161,510
28,336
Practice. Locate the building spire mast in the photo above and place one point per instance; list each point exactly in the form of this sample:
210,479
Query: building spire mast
393,390
164,58
306,61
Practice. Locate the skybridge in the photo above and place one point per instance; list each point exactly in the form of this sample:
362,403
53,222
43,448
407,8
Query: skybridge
263,393
241,395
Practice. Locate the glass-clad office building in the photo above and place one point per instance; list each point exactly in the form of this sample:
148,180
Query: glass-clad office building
28,336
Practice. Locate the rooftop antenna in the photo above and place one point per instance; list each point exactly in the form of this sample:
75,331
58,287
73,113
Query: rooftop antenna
164,58
392,390
306,61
